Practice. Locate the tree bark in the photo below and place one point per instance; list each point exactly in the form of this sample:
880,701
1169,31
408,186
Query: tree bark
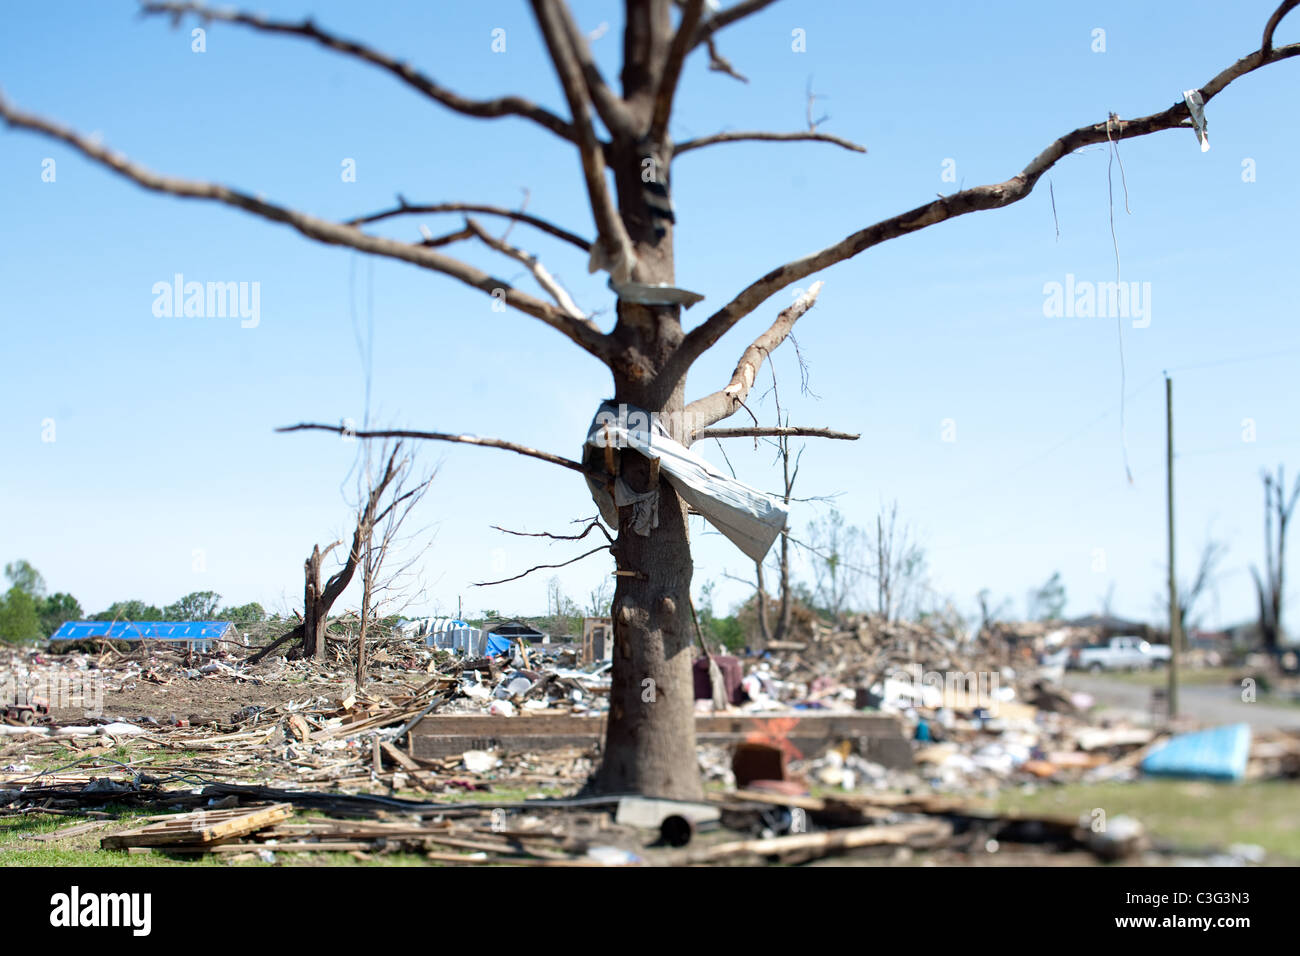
314,616
650,736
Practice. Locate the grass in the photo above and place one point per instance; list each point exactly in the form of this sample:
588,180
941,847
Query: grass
1184,813
499,795
17,848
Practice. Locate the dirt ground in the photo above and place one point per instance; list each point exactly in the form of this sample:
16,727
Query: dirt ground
166,685
199,701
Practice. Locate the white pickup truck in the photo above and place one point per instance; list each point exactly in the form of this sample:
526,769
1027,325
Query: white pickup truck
1120,653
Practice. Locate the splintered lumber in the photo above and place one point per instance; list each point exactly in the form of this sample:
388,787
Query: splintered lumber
805,733
809,845
200,827
301,846
426,780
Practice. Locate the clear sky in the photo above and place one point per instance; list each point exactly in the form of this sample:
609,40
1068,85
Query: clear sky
163,443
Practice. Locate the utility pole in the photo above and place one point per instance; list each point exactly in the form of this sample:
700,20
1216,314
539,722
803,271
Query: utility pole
1175,625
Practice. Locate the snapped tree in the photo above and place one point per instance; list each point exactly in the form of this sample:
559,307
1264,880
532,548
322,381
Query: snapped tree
384,494
626,174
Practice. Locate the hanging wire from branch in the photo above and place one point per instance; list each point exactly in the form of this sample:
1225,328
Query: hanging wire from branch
1112,155
1051,191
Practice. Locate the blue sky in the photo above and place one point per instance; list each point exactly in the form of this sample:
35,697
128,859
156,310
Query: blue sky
163,426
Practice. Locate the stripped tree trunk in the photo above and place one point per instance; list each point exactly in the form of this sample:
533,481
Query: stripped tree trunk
314,615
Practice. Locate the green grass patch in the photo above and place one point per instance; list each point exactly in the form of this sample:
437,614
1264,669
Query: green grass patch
1183,812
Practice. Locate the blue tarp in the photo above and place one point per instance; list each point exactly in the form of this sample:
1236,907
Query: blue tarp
496,644
1220,753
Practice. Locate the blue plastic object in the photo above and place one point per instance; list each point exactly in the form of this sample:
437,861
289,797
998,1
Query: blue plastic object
1220,753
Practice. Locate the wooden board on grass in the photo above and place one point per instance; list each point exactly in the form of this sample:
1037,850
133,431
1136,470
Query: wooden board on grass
200,827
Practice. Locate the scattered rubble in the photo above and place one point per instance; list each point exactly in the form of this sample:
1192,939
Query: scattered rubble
896,725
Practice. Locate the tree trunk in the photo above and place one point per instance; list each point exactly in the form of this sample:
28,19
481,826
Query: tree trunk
367,588
650,736
1283,515
313,617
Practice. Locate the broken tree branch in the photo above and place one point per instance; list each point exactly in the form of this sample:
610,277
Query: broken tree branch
610,107
1266,45
725,402
482,109
543,567
539,271
992,196
441,436
613,246
581,331
430,241
720,64
692,11
725,18
594,525
783,431
803,136
294,635
403,208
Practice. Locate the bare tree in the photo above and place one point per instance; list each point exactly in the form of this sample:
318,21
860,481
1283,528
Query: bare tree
897,565
780,439
1191,592
650,745
1106,602
838,551
991,613
384,584
1047,602
1270,585
599,601
317,600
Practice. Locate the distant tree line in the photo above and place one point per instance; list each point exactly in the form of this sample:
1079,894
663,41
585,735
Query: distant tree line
28,613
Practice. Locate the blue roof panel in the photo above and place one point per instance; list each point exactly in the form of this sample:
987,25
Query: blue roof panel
135,630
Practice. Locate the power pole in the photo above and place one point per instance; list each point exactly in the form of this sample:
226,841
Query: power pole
1175,625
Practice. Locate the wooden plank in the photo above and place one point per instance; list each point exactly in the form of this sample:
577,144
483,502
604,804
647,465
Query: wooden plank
819,844
304,846
399,758
200,827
